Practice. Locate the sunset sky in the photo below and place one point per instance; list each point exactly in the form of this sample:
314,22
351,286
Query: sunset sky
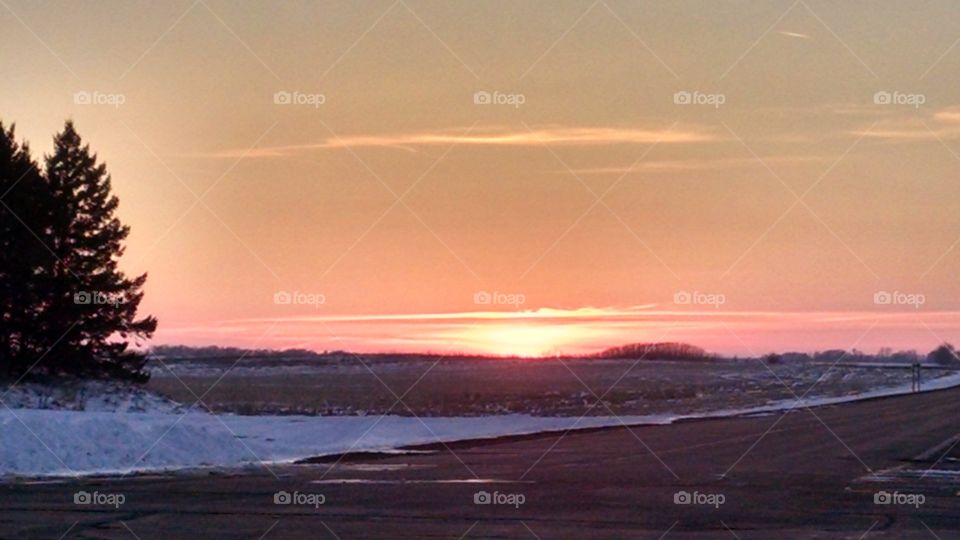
339,153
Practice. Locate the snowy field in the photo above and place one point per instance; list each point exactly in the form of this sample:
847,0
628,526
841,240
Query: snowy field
86,433
455,387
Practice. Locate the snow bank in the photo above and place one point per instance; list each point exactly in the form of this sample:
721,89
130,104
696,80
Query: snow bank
81,395
38,442
45,442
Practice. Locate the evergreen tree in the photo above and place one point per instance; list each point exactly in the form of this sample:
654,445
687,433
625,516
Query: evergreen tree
22,254
91,306
944,354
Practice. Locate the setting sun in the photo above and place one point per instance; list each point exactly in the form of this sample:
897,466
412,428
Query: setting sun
522,339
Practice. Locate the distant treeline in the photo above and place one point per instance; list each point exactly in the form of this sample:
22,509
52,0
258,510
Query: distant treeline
657,351
944,354
652,351
213,351
673,351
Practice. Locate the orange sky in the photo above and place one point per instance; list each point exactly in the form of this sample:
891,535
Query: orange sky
746,177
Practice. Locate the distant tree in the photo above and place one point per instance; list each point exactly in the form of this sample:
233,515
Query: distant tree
656,351
794,357
944,354
22,253
905,357
91,306
832,355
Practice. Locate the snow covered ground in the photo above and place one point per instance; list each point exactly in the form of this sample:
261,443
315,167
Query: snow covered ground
43,442
463,387
103,396
57,442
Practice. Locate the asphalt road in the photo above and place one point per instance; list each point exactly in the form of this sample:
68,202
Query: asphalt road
807,474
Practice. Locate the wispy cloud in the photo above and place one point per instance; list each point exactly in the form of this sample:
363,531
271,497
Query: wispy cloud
535,314
697,164
949,115
941,124
581,136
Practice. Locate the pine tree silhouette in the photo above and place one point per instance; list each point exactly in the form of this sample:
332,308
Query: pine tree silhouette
91,306
22,254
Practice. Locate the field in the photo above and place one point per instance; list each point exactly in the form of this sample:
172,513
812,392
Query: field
469,387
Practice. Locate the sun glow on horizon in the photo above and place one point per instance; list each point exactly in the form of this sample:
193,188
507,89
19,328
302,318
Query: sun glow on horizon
523,339
546,332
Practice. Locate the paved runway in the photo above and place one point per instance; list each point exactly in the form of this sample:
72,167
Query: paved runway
807,474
